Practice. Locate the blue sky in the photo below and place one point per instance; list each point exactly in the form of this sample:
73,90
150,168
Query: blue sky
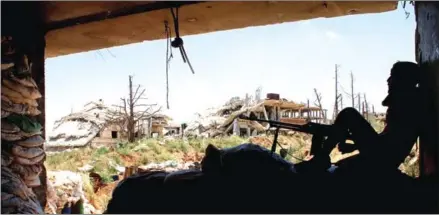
290,59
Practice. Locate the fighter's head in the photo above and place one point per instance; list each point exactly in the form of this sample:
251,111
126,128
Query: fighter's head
404,78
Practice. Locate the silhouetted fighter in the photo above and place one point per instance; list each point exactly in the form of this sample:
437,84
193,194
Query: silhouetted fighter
387,149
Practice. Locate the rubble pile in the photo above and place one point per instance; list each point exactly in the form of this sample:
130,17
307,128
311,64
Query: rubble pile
170,166
78,129
215,120
63,187
23,153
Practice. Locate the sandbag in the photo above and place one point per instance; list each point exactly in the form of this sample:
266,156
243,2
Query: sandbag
29,161
33,111
6,159
15,185
26,124
9,108
5,113
26,81
26,171
34,141
26,92
6,66
10,93
11,137
29,134
28,153
10,200
33,181
20,100
14,205
9,127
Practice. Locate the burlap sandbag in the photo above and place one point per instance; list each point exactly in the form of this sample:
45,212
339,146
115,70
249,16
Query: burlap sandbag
5,113
10,93
29,161
26,81
9,127
28,153
12,204
29,134
8,108
32,182
13,184
11,137
33,111
26,124
20,99
27,172
14,108
34,141
6,66
6,159
26,92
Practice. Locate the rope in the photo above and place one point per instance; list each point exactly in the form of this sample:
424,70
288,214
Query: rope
169,56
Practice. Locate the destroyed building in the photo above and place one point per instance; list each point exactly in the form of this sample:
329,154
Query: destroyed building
224,121
94,125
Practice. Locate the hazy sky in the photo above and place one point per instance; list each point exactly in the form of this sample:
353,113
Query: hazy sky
290,59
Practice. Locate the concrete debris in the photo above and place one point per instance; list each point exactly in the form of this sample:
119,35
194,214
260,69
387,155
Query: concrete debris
170,166
68,186
215,120
86,168
78,129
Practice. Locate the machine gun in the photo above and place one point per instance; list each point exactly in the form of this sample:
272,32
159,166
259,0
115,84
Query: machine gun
319,131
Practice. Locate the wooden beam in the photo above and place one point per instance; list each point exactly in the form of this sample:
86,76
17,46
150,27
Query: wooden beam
118,13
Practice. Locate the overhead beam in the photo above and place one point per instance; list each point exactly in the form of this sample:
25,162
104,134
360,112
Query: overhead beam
117,13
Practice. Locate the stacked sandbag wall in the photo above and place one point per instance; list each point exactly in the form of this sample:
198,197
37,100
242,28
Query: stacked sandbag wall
22,151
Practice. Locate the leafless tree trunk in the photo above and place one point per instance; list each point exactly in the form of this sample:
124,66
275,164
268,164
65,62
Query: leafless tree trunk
127,115
318,103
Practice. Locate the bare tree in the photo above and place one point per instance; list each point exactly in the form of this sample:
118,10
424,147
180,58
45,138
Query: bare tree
132,110
318,102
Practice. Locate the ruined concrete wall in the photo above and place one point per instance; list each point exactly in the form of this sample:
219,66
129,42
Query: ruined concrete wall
427,54
23,155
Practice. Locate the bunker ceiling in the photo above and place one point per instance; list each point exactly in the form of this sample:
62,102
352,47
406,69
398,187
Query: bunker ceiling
84,26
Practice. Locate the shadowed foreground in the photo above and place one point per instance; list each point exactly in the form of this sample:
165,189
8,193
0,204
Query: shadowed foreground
249,179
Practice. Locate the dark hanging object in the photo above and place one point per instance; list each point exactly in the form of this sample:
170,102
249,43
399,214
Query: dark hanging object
178,42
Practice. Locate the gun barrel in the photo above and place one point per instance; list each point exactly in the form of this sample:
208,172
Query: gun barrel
310,128
278,124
